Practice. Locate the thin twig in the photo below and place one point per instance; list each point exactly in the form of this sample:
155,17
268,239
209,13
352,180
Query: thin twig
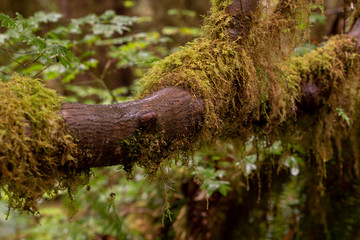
15,52
106,69
5,73
102,77
12,58
42,70
8,51
37,58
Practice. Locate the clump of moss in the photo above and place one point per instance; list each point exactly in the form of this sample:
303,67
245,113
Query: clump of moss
37,156
328,107
330,68
141,145
234,70
150,151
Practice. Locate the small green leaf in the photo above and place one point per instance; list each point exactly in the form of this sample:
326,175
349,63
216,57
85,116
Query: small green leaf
343,115
40,43
224,188
7,21
211,188
20,19
46,17
108,14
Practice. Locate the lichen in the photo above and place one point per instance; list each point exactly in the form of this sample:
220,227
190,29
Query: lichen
37,156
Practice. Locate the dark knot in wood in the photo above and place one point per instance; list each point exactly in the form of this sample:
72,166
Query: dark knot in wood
148,120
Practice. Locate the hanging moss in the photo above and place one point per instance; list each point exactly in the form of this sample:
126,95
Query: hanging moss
331,68
251,85
245,84
37,156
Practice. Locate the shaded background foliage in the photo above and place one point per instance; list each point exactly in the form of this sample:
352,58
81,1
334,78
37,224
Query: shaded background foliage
256,193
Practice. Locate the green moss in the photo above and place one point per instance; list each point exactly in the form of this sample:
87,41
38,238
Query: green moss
235,67
238,76
250,85
218,5
144,150
37,156
151,151
244,83
332,69
325,131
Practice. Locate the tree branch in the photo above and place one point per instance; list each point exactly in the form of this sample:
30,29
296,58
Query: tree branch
172,112
169,116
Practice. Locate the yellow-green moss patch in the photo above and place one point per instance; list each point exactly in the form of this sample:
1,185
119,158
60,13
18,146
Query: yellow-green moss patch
235,68
37,156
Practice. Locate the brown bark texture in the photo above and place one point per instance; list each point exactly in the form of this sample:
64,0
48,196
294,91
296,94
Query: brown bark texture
100,128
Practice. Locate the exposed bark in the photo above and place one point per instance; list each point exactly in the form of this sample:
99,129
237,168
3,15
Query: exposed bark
173,112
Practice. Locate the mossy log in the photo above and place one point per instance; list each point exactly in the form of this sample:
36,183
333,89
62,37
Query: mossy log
226,84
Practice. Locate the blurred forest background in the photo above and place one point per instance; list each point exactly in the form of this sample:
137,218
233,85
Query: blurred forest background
224,197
